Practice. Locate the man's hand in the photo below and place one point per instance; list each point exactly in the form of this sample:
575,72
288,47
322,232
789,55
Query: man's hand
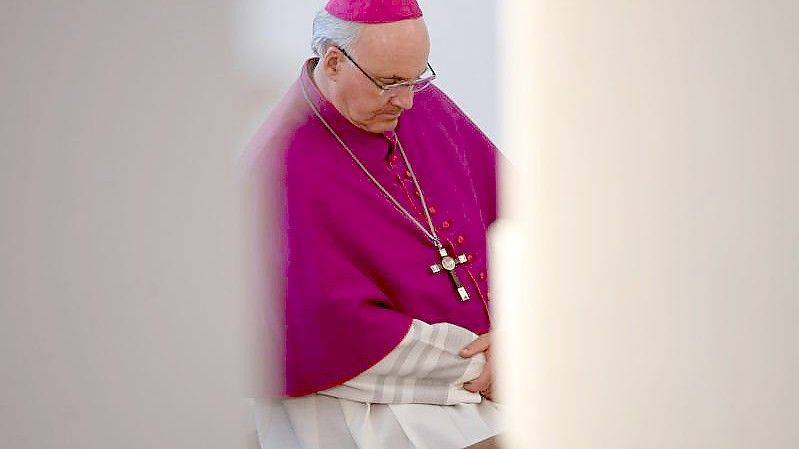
482,384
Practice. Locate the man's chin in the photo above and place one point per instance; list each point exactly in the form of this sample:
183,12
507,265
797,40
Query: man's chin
384,125
391,124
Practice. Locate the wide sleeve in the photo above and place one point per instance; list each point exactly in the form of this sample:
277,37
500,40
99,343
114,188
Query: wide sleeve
425,368
338,322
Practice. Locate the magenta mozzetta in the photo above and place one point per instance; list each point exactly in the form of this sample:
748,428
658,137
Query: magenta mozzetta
356,269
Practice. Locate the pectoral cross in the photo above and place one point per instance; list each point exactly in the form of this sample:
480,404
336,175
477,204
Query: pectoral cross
449,263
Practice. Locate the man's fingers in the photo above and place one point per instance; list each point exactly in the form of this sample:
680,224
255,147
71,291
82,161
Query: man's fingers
480,344
482,382
475,386
487,393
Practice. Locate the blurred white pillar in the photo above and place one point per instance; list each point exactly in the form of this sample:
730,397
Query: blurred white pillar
657,224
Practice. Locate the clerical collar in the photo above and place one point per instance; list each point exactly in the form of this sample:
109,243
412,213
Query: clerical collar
343,127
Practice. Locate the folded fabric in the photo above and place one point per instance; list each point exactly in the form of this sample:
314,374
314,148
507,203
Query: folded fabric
425,368
412,398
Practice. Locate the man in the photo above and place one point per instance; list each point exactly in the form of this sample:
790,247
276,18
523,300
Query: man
385,190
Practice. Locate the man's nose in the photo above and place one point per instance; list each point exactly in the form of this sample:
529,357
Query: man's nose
403,98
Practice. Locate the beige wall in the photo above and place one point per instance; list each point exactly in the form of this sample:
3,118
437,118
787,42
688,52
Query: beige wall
658,226
122,321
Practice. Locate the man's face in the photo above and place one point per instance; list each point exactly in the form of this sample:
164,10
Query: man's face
389,53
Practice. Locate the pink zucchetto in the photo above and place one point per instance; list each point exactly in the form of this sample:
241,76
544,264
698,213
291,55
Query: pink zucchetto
374,11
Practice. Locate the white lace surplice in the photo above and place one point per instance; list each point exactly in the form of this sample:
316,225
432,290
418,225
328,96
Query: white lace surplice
412,399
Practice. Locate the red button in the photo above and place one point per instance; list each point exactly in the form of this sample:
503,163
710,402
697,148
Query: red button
432,210
417,193
461,239
445,224
482,276
394,158
408,174
469,257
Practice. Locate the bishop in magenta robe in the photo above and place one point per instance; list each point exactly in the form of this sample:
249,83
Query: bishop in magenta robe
358,274
357,270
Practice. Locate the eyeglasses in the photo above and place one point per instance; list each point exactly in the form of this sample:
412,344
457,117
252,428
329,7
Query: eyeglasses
415,85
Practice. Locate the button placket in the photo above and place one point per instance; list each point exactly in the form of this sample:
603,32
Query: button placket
404,177
483,298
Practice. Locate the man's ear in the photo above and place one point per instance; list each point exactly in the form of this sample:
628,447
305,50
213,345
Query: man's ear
331,62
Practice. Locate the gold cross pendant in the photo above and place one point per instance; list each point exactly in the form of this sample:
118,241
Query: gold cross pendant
449,263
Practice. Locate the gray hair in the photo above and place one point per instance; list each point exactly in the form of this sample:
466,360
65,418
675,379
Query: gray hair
329,30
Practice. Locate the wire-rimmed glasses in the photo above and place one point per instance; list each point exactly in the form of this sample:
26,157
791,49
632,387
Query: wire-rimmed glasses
415,85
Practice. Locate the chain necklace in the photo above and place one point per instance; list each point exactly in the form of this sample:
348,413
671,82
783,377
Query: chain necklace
448,262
